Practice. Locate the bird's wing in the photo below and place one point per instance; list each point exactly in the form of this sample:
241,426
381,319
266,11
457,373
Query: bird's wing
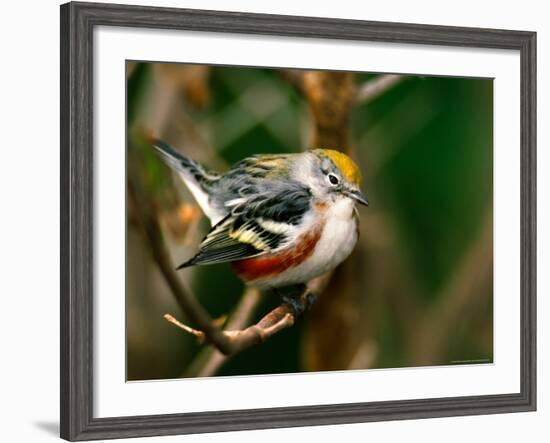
257,225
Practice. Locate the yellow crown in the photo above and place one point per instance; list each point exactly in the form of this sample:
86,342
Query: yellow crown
345,164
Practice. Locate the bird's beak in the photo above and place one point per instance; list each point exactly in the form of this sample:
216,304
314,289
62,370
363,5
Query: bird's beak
358,196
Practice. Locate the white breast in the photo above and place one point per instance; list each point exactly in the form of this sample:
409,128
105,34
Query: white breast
337,240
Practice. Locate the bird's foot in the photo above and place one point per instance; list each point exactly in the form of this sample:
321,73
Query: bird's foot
298,308
298,299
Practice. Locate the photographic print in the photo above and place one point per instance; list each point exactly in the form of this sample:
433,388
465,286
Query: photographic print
285,221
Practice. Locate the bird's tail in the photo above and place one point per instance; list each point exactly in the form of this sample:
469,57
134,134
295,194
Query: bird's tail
199,181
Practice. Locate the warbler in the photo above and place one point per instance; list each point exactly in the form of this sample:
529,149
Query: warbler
280,219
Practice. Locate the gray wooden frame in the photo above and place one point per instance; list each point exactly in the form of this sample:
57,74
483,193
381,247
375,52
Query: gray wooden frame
77,25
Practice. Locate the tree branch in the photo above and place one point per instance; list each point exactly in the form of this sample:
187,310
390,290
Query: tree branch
373,88
330,95
280,318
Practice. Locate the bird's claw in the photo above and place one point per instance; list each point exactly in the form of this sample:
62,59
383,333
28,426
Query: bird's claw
299,306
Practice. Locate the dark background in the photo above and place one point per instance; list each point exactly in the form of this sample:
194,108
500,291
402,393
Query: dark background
418,288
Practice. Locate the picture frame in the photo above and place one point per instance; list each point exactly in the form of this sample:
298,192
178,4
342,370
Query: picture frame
78,21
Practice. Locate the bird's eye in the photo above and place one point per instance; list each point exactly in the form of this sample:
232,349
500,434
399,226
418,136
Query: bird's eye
333,179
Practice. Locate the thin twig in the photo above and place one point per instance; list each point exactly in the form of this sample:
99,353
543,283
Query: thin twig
199,334
373,88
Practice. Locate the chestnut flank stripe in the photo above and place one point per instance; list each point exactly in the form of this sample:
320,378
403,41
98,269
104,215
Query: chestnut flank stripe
254,268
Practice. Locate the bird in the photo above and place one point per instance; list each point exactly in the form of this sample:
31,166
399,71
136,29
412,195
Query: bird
280,220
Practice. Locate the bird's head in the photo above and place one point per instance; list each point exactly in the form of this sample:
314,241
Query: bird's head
335,175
